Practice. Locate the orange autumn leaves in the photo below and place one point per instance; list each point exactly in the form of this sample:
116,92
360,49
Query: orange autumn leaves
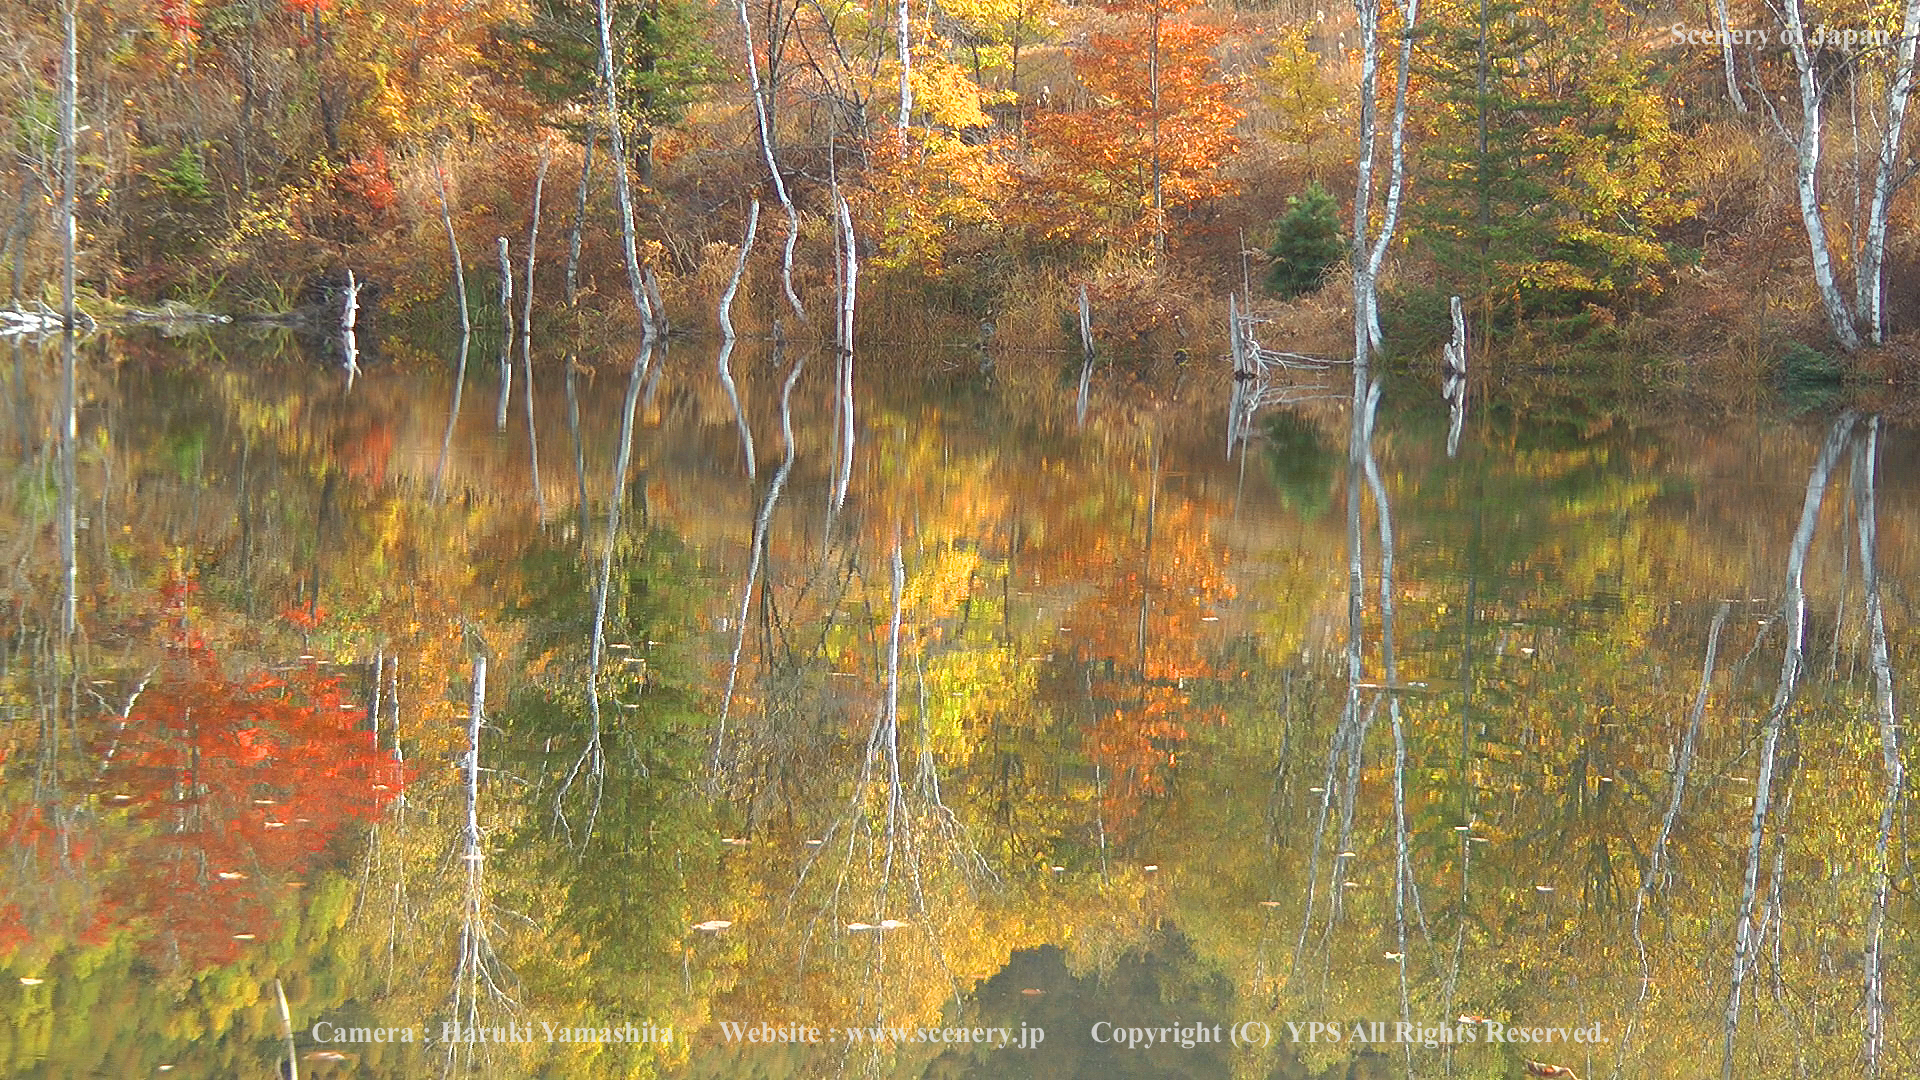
1092,173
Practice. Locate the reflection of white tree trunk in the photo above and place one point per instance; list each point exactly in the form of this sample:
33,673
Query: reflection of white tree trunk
726,337
1865,464
526,332
477,973
1656,874
506,335
1746,943
1404,890
756,558
592,759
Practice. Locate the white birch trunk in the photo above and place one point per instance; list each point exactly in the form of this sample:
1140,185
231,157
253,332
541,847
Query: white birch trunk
622,192
1873,249
1722,23
1807,151
1368,12
773,165
1396,173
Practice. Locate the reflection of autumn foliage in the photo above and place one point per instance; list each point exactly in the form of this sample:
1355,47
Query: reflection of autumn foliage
1139,641
243,783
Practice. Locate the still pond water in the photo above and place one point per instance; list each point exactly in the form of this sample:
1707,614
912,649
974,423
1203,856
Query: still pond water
1044,734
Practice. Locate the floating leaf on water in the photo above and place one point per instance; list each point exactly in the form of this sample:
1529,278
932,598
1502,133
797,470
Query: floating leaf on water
815,843
1269,903
856,927
243,937
1209,618
892,924
1033,991
263,802
231,875
1349,884
473,856
1151,867
1317,791
733,841
1395,955
1348,855
1543,888
120,798
1058,869
713,924
1461,828
276,824
28,980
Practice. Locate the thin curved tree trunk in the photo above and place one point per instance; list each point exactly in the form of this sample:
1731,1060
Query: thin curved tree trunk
760,95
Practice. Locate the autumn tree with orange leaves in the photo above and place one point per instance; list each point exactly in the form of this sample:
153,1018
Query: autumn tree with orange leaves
1150,147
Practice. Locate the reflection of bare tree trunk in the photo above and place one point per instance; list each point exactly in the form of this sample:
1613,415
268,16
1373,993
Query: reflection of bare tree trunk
1656,870
1746,943
506,337
726,337
1403,886
579,450
69,484
1865,464
475,972
756,556
453,414
592,759
292,1071
526,332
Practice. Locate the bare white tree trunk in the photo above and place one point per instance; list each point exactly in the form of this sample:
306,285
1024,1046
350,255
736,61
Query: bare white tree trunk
1807,153
69,163
1873,249
773,165
1086,362
1396,173
459,265
622,193
1722,24
579,219
903,44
